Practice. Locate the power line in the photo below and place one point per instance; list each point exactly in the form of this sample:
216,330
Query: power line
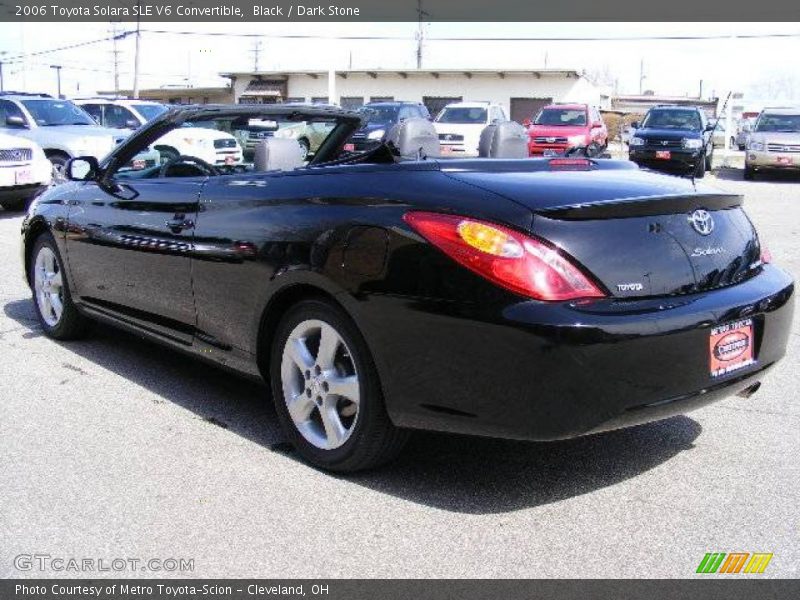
21,57
291,36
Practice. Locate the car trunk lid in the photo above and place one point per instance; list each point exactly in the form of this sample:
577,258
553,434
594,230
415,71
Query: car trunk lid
639,234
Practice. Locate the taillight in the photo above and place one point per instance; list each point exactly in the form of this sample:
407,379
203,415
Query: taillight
506,257
766,255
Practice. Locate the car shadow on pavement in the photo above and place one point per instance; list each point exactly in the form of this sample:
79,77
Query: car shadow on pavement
769,177
449,472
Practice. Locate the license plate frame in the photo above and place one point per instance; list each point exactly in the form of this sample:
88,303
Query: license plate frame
731,347
349,147
23,176
663,154
784,160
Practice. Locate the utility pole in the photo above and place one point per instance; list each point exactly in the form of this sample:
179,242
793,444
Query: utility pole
115,52
701,90
642,77
58,77
420,32
256,50
136,51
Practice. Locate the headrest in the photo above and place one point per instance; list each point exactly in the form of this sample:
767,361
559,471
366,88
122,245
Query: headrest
508,139
414,138
277,154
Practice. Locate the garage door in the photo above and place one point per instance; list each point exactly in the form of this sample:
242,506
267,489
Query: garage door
436,103
527,108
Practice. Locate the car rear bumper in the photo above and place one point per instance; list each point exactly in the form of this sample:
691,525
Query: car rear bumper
679,160
772,160
17,192
540,371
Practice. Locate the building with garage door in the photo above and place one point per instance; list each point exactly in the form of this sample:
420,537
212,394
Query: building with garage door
521,92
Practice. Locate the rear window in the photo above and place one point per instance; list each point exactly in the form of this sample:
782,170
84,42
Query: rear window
462,115
673,119
779,123
561,116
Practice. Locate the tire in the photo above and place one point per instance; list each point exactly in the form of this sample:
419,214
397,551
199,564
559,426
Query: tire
700,169
356,433
48,281
749,173
709,161
59,162
305,148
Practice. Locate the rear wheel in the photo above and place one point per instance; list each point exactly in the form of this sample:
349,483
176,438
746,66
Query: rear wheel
54,308
327,393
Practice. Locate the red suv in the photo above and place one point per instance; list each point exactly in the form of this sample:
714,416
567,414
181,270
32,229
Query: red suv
559,127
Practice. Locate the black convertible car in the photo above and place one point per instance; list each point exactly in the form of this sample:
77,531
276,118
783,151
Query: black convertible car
390,290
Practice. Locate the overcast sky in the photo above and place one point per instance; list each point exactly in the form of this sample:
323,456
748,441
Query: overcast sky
765,69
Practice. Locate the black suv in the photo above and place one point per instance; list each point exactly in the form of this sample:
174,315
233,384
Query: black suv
382,115
673,138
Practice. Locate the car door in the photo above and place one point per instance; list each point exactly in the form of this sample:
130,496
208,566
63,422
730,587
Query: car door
129,247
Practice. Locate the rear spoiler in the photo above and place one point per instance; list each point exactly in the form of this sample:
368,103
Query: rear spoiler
642,207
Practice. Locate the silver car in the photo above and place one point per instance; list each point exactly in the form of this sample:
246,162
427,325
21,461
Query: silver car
774,143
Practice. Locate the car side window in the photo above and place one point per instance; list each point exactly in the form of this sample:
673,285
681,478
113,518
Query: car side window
119,117
9,109
95,111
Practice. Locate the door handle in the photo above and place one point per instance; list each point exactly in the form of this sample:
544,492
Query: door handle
178,224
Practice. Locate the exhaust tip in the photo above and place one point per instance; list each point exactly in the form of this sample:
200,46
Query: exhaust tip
749,390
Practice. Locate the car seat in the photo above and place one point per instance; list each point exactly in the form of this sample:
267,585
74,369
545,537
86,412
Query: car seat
507,139
277,154
414,139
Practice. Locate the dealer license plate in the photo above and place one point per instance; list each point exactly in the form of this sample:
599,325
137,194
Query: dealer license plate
550,152
731,347
23,176
349,147
663,154
447,149
784,160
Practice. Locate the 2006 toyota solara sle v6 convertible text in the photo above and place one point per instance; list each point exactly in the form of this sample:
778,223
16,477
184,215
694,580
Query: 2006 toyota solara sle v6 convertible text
389,290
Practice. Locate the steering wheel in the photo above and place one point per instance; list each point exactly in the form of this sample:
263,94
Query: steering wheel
206,168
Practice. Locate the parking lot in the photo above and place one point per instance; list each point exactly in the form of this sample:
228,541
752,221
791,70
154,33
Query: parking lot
112,447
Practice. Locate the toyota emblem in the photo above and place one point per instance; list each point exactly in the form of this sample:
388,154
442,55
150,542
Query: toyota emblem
702,221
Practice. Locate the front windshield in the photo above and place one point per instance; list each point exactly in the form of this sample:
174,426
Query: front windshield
462,115
673,119
150,111
381,114
50,113
561,116
779,123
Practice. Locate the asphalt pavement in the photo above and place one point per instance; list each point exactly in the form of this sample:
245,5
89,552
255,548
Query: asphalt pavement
113,448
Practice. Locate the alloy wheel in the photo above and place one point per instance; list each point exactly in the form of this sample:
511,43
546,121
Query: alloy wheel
320,384
49,286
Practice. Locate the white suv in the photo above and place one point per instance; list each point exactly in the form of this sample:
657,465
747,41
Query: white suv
24,171
213,146
61,128
459,126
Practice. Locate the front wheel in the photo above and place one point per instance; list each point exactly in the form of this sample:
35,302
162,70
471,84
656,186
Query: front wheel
54,307
326,391
700,168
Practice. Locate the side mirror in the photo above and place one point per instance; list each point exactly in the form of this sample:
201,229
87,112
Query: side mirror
527,123
16,121
83,168
634,124
132,124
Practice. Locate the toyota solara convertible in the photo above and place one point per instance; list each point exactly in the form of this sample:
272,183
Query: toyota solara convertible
390,290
